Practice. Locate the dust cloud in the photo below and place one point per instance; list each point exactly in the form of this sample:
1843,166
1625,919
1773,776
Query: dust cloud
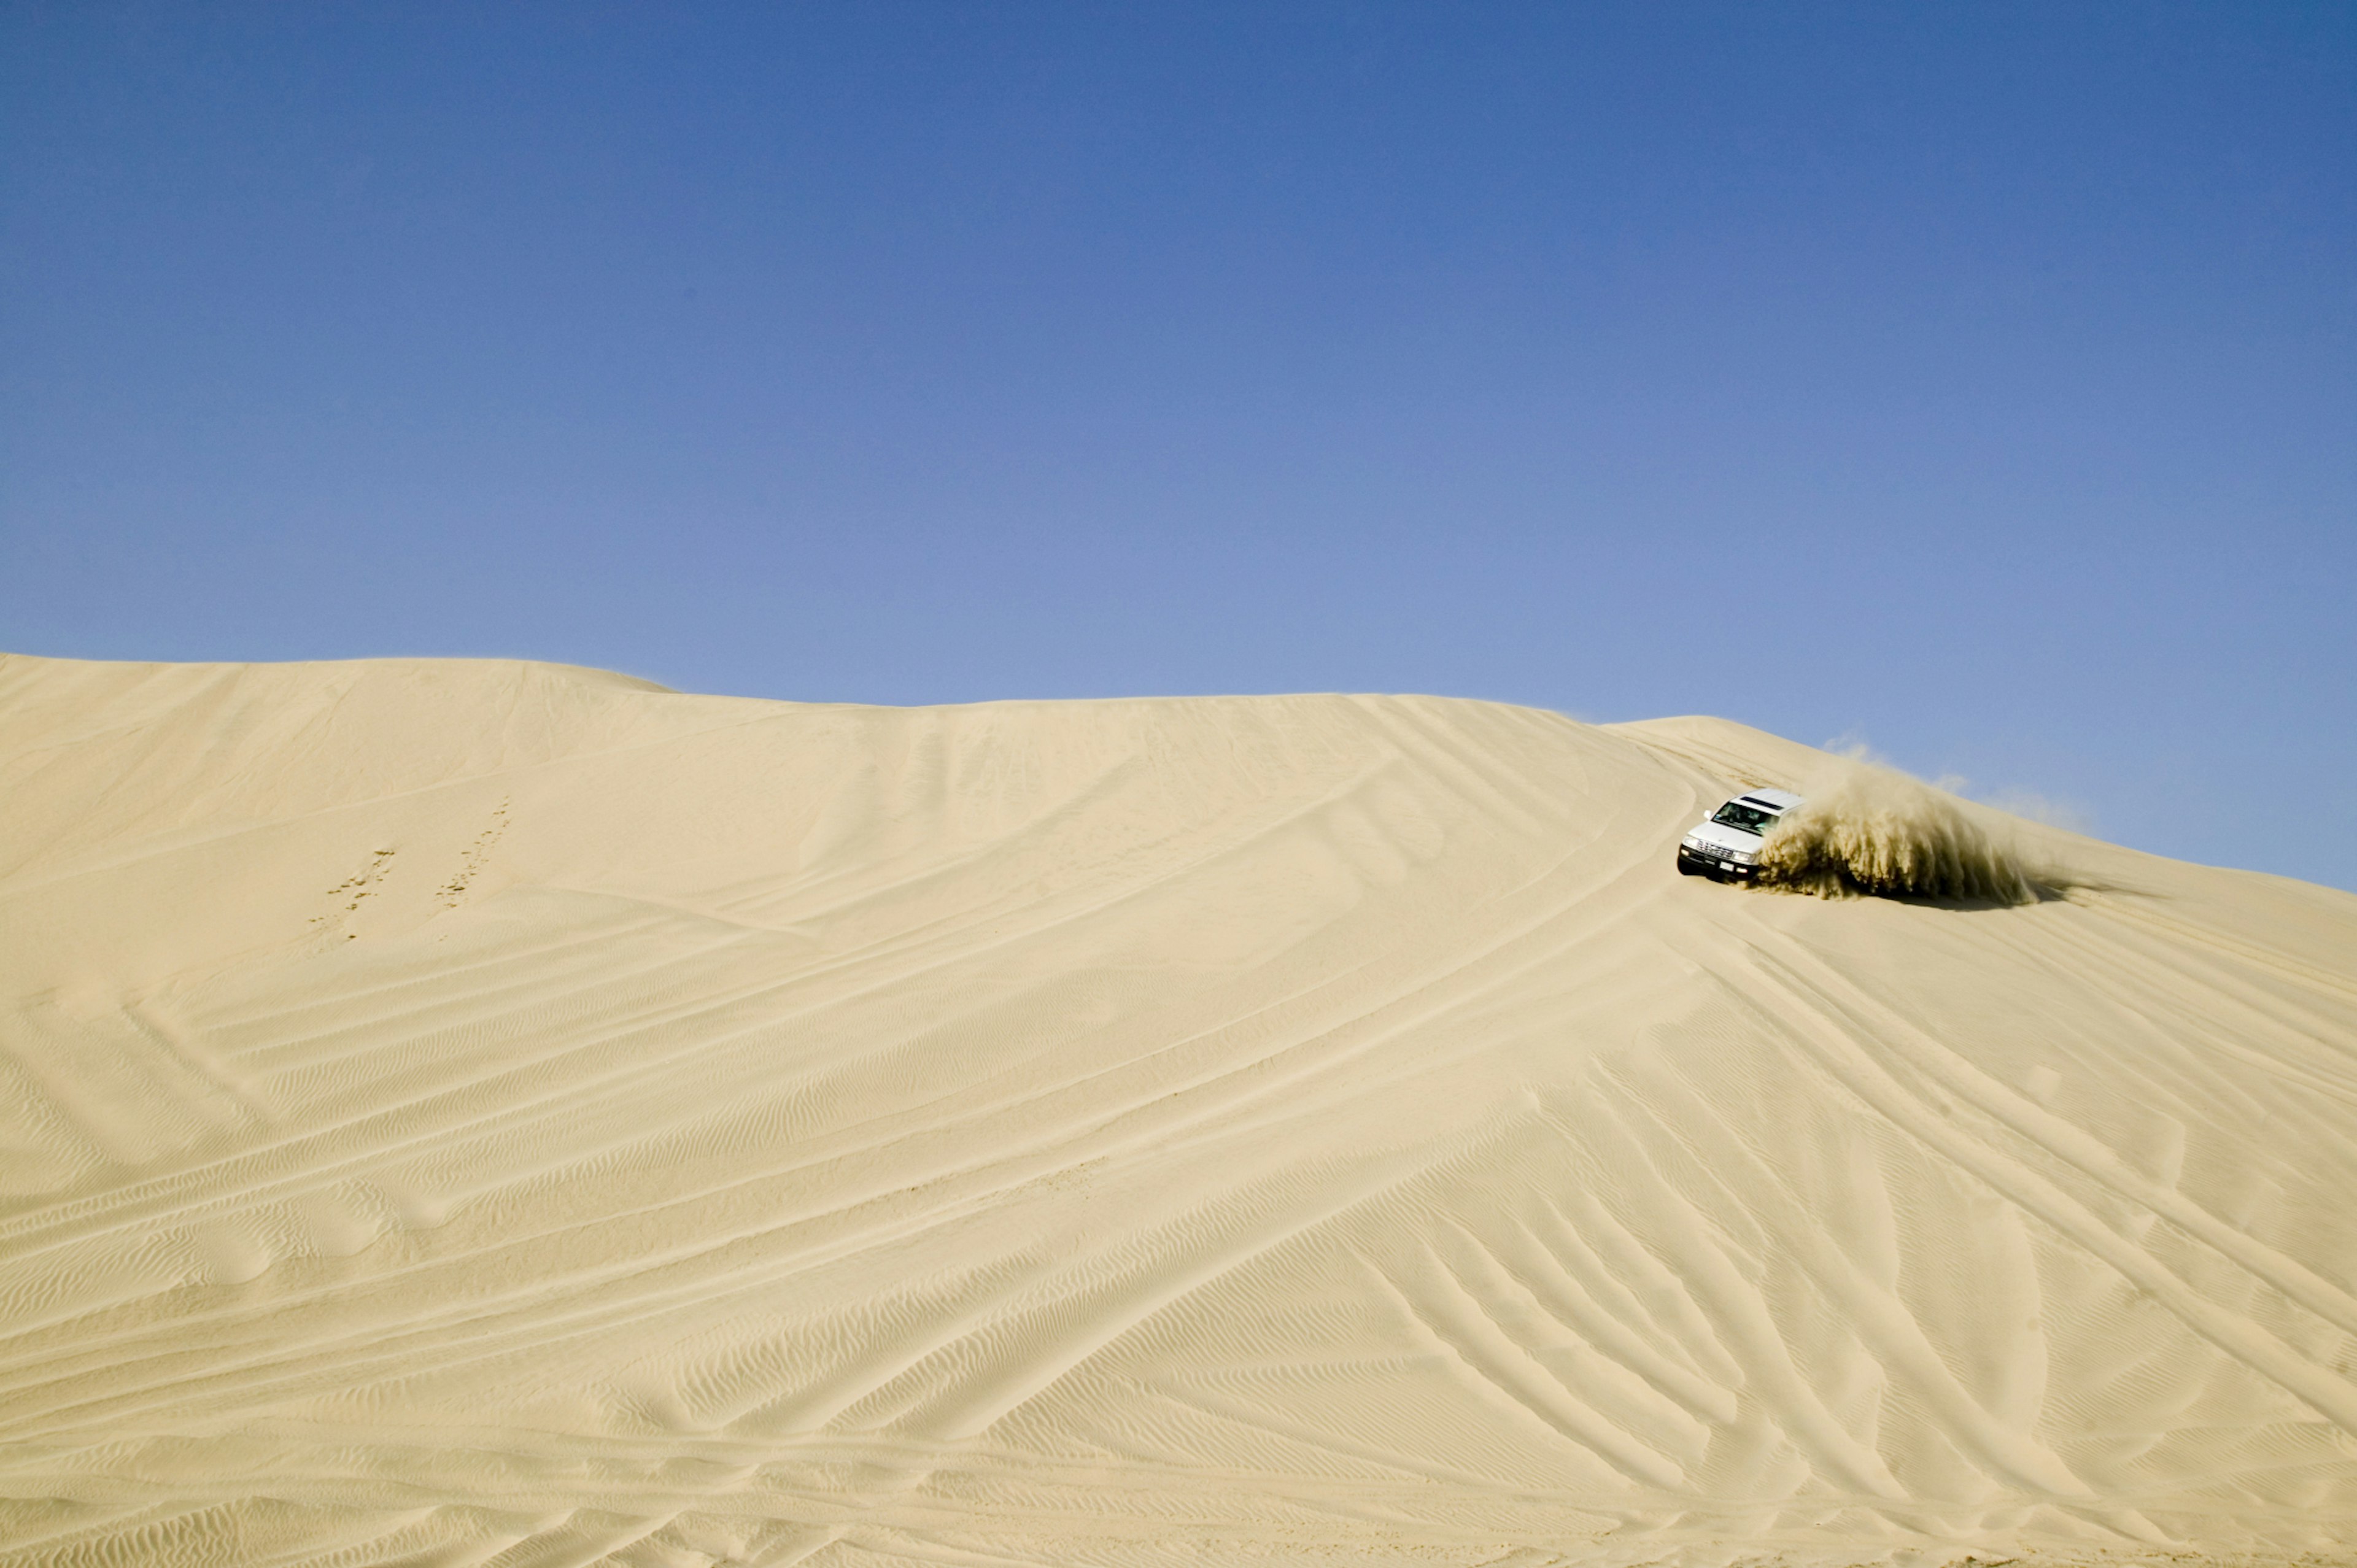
1872,831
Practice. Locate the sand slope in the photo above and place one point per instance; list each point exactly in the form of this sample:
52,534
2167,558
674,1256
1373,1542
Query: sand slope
470,1113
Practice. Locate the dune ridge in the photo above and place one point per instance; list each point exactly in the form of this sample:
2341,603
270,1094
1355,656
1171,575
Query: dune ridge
487,1112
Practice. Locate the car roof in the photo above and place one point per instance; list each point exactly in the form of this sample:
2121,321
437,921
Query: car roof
1779,800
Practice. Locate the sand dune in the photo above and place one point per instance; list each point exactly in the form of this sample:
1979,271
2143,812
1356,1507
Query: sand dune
493,1114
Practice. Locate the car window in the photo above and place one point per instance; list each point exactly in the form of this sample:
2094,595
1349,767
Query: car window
1750,818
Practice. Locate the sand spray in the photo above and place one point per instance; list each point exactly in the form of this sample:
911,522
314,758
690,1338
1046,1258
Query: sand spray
1868,829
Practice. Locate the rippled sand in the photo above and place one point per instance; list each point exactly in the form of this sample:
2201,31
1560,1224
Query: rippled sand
495,1113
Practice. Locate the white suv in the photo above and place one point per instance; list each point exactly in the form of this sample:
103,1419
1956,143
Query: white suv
1724,847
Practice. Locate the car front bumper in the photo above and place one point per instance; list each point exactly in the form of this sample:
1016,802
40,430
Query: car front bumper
1693,862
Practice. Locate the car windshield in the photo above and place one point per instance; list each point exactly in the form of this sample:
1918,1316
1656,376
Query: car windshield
1750,818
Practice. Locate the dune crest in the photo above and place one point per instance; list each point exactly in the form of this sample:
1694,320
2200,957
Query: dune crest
485,1112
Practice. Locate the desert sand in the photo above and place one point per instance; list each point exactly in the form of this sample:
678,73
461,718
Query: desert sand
476,1112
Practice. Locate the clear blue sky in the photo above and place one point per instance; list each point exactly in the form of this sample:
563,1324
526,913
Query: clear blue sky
1978,380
